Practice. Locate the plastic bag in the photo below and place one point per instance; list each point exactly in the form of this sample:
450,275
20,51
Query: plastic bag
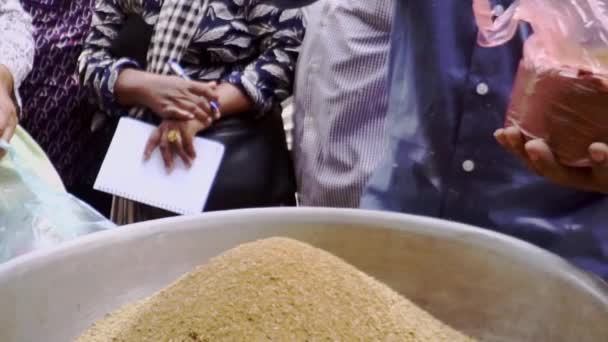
34,215
561,90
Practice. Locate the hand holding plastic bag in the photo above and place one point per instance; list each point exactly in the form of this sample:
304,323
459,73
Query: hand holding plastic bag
561,91
34,215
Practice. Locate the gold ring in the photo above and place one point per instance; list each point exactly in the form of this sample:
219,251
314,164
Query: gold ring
174,136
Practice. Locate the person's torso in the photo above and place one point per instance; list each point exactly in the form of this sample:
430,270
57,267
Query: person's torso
227,38
448,96
340,99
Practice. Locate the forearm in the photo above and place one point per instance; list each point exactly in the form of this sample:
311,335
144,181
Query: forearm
6,81
8,88
232,100
130,87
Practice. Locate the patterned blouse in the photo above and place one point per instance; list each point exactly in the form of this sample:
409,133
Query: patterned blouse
244,42
56,109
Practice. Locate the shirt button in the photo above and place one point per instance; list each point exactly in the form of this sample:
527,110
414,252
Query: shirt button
482,89
498,10
468,166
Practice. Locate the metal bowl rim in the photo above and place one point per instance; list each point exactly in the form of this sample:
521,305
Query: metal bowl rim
535,256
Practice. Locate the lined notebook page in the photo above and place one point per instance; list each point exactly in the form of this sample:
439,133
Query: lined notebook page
124,172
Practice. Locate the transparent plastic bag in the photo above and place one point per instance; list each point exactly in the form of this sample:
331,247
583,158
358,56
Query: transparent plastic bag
561,90
34,215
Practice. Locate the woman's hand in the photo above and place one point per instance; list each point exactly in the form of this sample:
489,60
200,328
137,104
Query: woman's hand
182,146
540,159
170,97
8,110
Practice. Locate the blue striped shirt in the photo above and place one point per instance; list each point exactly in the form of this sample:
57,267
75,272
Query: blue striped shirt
447,97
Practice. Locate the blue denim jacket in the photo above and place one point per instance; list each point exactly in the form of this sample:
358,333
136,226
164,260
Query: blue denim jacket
447,97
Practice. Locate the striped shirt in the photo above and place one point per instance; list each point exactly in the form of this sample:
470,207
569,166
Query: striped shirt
341,100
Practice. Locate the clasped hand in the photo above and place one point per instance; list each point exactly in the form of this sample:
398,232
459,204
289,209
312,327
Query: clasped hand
183,105
537,155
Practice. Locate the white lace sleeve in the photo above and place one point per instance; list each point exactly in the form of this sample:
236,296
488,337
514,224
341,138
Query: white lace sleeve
16,42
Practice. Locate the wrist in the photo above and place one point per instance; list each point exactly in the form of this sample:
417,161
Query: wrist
131,89
196,127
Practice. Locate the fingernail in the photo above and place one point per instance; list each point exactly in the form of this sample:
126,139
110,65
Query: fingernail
598,156
499,135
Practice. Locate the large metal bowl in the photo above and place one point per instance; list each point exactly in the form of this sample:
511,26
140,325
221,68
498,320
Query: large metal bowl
488,285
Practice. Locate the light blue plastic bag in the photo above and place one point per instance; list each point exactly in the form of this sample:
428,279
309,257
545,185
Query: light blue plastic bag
33,215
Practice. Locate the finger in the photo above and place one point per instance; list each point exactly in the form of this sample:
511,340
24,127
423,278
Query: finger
599,153
201,108
501,138
176,113
152,143
3,123
9,130
204,105
166,152
515,141
188,143
193,108
178,147
599,170
544,162
215,107
205,90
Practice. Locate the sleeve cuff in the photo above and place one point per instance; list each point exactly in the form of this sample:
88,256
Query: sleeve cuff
108,84
248,82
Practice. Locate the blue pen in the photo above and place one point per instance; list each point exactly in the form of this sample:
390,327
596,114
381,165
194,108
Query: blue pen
179,71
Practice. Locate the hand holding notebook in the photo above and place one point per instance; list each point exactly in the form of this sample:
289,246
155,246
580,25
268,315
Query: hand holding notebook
124,172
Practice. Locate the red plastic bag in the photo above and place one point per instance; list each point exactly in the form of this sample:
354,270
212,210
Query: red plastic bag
561,90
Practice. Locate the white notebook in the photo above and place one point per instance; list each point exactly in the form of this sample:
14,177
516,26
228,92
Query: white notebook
124,173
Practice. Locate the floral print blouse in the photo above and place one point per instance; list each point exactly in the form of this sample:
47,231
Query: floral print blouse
247,43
